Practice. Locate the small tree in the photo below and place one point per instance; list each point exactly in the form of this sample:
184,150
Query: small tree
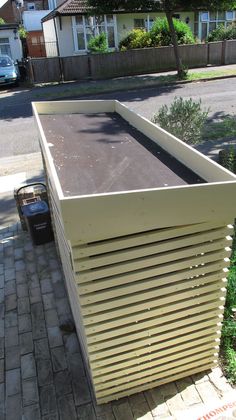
98,43
2,21
184,119
22,32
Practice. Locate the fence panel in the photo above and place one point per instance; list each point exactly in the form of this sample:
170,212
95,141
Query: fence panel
75,68
131,62
215,53
194,55
46,69
139,61
230,52
146,60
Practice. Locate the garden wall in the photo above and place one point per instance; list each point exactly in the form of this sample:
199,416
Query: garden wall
128,63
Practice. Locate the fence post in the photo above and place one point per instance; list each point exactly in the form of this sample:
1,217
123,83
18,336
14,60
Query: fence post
208,53
61,69
30,71
89,67
223,53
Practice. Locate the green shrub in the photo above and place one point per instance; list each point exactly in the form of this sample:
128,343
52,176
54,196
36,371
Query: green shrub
160,32
221,33
2,21
228,338
137,38
22,32
98,44
227,158
159,35
184,119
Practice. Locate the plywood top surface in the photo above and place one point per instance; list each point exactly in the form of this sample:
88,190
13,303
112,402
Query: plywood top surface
101,153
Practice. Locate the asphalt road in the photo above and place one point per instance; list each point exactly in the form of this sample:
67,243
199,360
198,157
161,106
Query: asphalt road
19,136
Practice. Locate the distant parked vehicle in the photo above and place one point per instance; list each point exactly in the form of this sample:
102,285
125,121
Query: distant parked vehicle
9,72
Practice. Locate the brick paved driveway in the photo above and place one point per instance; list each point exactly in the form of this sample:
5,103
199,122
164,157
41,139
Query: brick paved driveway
41,369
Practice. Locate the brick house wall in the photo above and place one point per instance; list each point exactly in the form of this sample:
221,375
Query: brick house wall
9,12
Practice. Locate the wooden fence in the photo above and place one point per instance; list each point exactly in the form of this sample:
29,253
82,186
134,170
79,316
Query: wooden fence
128,63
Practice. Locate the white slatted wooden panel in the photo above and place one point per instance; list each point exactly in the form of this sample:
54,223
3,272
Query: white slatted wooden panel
152,304
149,306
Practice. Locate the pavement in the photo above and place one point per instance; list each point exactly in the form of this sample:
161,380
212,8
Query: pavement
42,375
68,89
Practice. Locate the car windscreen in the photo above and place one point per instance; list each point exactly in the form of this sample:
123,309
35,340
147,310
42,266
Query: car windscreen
5,62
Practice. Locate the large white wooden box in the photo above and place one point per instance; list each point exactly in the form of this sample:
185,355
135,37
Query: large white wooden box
142,222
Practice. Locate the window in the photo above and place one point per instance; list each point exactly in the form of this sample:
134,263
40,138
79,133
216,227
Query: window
139,23
230,15
31,6
204,16
5,47
85,27
210,21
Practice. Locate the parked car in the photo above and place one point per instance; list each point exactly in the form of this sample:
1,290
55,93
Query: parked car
9,72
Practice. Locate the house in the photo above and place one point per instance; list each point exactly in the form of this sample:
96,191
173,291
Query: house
29,13
70,26
32,14
10,43
9,11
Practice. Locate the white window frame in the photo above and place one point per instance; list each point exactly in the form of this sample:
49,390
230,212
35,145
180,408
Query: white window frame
217,20
6,43
227,18
83,26
206,18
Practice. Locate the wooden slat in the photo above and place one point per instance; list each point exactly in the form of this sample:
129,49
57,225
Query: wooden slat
154,248
188,362
221,256
150,335
145,343
152,260
169,347
202,367
167,300
149,283
207,307
111,324
135,283
142,353
162,360
155,292
143,238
